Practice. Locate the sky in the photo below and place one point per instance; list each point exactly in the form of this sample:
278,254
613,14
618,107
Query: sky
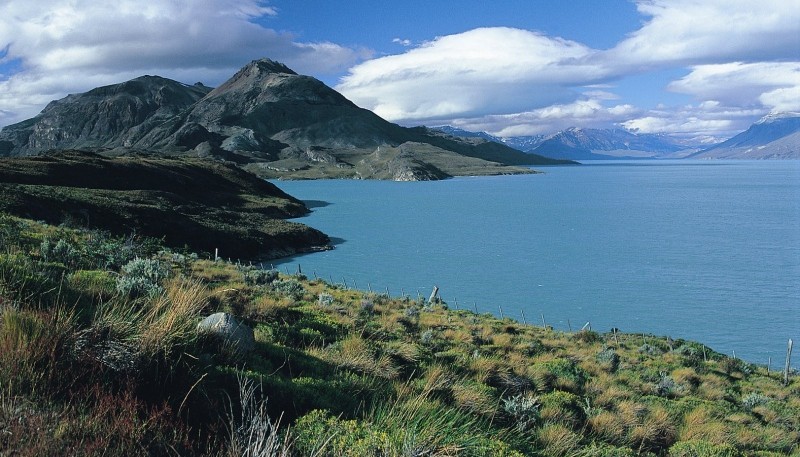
696,69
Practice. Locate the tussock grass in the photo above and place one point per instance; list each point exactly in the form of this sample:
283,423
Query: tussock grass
357,373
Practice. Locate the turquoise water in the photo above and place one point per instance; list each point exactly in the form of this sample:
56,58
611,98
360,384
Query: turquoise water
704,250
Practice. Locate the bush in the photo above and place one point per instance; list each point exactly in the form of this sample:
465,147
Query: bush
107,252
609,359
522,411
60,251
10,230
702,449
260,277
667,387
754,399
142,277
325,299
289,287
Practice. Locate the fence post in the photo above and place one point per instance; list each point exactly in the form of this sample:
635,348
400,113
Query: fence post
434,293
788,364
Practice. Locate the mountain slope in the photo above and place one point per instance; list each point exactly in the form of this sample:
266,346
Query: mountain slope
581,144
775,136
577,143
267,118
105,117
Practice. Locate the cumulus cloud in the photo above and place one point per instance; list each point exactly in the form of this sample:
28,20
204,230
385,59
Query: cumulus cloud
738,52
63,46
774,85
689,32
709,121
481,71
588,111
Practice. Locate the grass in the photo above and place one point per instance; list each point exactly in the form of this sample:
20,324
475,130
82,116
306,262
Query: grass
87,369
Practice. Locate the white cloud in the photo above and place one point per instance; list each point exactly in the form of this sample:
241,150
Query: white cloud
588,112
402,41
708,120
689,32
488,76
64,46
482,71
774,85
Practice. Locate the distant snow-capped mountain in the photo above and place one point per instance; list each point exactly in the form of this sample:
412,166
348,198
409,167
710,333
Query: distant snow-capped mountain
581,144
775,136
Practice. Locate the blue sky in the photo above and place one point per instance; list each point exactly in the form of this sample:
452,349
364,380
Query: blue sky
698,69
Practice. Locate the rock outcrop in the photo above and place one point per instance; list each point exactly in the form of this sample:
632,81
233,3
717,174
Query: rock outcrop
231,334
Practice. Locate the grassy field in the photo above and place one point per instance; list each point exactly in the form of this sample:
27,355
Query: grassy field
99,355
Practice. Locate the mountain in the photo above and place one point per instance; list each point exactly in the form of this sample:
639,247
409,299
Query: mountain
524,143
776,136
581,144
268,119
455,131
105,117
577,143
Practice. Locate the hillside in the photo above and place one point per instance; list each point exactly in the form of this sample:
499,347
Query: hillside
776,136
101,354
266,117
201,204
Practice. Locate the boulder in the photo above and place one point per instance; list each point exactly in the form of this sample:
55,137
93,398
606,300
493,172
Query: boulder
228,331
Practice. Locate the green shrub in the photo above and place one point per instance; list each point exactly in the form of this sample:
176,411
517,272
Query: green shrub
609,359
604,450
754,399
59,251
289,287
325,299
588,336
10,230
107,252
522,411
702,449
142,277
260,277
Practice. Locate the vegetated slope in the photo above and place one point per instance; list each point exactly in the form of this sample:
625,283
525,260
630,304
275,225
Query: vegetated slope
101,356
203,204
266,117
776,136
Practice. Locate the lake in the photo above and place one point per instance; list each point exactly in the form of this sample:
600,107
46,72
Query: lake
702,250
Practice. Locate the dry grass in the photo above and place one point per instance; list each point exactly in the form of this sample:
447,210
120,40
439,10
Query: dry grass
558,441
354,353
609,427
475,398
172,317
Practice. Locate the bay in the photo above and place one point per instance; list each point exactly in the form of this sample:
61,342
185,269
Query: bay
701,250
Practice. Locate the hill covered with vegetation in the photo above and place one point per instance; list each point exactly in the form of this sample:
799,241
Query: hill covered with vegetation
203,205
100,355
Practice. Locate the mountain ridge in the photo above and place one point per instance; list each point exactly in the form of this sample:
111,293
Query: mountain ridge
775,136
267,118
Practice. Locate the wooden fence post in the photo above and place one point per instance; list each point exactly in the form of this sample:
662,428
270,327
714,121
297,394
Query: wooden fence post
788,364
434,293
